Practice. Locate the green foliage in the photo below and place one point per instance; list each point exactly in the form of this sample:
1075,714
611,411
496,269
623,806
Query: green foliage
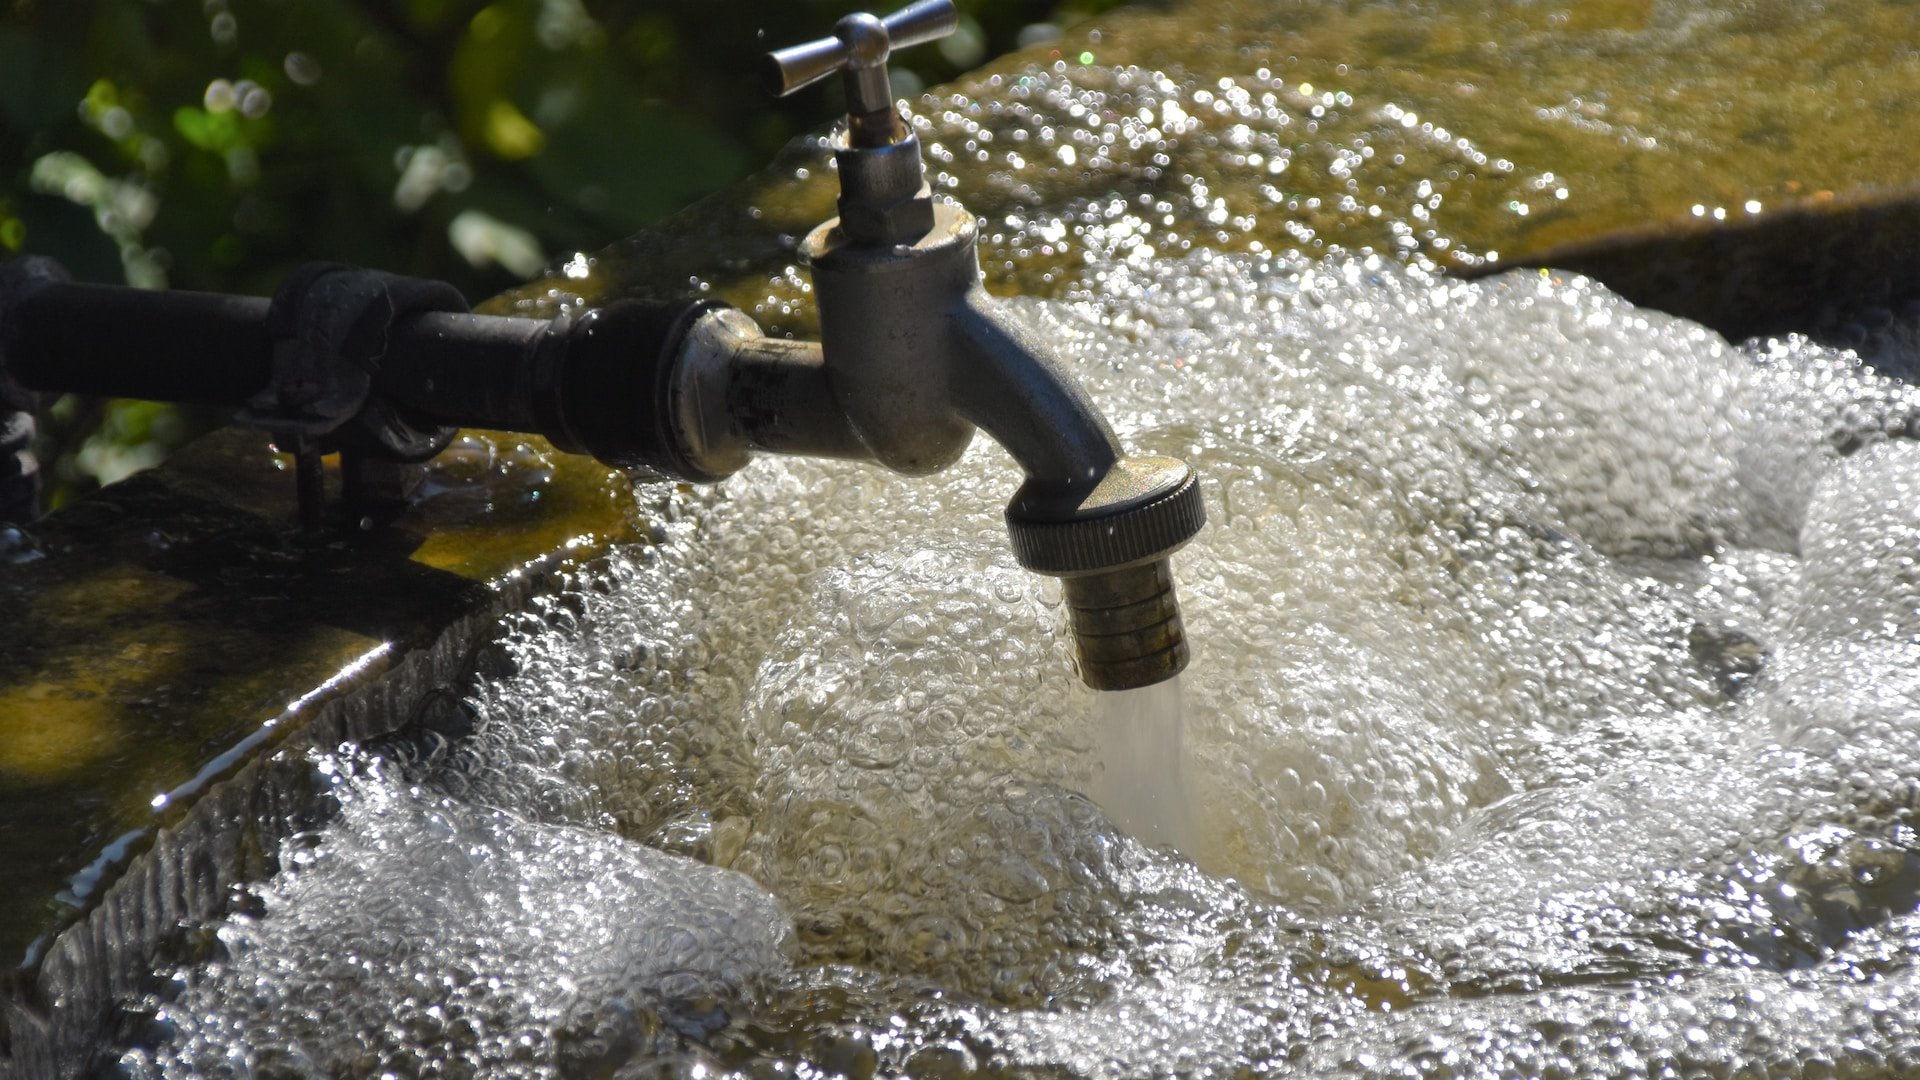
216,144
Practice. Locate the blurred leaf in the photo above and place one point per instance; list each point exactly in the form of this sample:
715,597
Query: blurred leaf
214,132
509,133
484,239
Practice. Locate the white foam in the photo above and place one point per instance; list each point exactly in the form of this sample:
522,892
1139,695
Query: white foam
421,935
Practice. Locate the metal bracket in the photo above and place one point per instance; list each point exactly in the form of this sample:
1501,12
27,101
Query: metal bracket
19,470
330,326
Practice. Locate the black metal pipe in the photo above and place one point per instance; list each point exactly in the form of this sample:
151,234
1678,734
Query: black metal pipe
468,370
593,384
214,349
113,341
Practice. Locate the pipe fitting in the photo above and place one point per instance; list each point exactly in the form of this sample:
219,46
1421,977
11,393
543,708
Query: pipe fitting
884,196
1127,631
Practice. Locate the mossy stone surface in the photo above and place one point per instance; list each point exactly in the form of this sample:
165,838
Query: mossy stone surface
157,625
1672,136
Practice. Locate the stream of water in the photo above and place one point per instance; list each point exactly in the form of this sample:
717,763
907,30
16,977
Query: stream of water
1142,754
1553,711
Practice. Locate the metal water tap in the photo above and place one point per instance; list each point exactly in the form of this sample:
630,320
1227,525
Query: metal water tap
914,355
917,355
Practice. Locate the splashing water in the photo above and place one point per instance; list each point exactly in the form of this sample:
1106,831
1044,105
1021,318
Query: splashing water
1142,784
1555,705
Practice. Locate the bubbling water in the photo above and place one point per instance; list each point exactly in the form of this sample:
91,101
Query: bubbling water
1554,708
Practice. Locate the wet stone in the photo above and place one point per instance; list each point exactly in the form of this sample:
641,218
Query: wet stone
1696,156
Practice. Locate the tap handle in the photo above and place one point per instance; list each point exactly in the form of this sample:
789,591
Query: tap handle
860,46
917,24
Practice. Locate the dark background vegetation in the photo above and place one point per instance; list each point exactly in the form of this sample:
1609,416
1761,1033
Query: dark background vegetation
216,144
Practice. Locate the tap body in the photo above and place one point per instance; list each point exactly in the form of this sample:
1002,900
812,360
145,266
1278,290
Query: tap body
916,355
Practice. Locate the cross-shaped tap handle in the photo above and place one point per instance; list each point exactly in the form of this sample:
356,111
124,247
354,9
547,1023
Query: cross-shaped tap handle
859,47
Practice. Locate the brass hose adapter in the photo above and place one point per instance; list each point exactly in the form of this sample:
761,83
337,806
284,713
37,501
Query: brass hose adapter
1111,549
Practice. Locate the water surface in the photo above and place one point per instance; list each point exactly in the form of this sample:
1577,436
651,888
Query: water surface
1553,706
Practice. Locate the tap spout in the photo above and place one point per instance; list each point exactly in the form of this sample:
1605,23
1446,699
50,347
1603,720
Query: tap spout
919,355
1009,384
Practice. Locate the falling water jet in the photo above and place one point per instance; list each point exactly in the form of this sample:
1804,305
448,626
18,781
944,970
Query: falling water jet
1142,783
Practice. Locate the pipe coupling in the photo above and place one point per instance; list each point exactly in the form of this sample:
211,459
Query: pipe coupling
1112,549
1144,508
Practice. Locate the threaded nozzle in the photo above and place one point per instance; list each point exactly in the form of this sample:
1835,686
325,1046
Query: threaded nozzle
1110,547
1126,626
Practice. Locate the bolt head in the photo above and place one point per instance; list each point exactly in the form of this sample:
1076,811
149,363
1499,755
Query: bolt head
901,222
